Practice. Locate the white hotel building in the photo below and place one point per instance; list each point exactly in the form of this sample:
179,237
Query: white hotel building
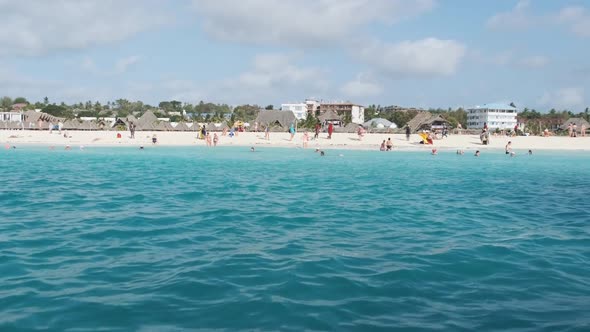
299,109
495,115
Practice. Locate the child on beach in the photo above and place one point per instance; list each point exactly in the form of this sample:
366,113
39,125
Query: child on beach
305,139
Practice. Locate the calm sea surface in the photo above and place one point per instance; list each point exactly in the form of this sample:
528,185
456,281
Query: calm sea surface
173,239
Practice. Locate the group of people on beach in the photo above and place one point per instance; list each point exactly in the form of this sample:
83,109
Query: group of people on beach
572,129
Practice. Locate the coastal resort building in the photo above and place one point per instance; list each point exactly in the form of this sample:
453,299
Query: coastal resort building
356,112
274,119
299,110
496,116
331,117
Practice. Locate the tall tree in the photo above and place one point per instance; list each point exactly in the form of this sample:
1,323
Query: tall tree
269,107
20,100
6,103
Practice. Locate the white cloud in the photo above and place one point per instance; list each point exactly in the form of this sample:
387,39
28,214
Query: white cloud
36,27
123,64
272,76
517,18
360,88
308,23
566,98
427,57
577,18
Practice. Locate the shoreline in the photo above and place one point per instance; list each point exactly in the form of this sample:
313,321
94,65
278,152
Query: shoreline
342,141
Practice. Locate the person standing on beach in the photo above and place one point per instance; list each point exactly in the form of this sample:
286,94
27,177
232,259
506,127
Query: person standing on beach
59,126
208,139
132,130
360,132
215,139
292,131
267,133
575,130
50,127
382,147
408,133
256,127
389,144
459,128
318,127
583,130
330,130
569,129
305,139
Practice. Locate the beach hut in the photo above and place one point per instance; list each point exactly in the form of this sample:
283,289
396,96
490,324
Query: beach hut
579,122
148,116
71,124
181,126
272,118
331,116
418,120
435,122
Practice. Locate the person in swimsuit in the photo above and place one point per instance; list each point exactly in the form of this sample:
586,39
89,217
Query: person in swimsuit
509,147
382,147
389,144
215,139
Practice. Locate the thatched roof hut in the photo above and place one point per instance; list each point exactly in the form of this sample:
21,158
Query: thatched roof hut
579,122
148,116
349,128
72,124
181,126
32,116
418,120
330,115
434,122
273,118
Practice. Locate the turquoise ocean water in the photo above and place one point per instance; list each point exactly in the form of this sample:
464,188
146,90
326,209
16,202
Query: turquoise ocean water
174,239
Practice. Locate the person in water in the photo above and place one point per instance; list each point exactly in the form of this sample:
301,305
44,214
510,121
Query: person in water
389,144
252,149
322,153
530,152
477,153
509,147
434,152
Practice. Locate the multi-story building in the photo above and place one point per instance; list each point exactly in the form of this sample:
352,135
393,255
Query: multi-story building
495,115
299,109
357,112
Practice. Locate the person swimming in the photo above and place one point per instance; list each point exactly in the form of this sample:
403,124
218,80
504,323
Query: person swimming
252,149
477,153
322,153
530,152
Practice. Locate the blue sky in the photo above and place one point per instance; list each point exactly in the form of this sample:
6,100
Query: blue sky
425,53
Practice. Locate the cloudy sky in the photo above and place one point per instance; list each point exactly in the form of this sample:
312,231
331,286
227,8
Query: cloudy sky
426,53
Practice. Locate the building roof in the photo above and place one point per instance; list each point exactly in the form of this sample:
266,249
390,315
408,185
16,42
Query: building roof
271,117
578,121
329,115
378,121
181,126
496,106
417,121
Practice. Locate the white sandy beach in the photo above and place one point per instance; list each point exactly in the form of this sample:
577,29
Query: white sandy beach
338,141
